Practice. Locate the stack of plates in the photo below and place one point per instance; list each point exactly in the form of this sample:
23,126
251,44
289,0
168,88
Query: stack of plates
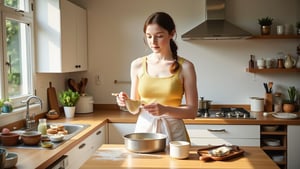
272,142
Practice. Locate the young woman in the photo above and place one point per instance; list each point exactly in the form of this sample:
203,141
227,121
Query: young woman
160,80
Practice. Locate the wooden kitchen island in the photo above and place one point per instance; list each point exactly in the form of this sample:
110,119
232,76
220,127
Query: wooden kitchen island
110,156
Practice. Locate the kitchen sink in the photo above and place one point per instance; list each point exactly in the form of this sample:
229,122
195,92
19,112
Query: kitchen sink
73,130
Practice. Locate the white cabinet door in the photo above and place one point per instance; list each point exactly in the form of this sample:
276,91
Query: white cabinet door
116,131
81,153
241,135
293,152
61,36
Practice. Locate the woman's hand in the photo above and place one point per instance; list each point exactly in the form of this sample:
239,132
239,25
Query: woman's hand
155,109
121,97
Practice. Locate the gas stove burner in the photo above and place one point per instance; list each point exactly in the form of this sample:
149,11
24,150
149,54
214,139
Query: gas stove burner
233,112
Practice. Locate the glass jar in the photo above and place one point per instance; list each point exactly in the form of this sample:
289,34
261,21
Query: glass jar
277,102
42,127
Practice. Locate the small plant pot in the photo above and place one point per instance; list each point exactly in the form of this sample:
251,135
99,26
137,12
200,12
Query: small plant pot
265,30
69,112
288,108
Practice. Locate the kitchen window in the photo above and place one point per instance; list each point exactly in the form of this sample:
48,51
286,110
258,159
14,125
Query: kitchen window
16,50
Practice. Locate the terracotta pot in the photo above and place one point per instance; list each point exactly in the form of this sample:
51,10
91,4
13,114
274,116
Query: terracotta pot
288,107
265,30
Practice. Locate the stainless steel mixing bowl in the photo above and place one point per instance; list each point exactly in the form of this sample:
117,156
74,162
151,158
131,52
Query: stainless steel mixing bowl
145,142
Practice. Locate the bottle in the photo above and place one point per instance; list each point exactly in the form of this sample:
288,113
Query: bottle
251,62
42,127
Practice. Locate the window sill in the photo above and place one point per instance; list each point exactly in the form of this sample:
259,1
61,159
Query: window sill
18,114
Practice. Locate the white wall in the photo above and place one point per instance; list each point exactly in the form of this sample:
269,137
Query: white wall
115,38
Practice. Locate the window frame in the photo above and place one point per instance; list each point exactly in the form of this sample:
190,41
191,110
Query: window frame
26,18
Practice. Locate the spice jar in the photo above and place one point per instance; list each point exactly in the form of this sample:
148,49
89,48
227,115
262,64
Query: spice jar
277,102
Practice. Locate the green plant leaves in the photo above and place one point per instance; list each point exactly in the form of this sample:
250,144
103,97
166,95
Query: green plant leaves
68,98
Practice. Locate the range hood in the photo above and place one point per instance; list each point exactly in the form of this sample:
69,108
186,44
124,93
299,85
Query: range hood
216,26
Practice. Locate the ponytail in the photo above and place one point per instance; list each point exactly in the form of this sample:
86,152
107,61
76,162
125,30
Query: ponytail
175,66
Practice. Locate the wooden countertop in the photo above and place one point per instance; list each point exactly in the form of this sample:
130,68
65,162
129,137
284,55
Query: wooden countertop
41,158
110,156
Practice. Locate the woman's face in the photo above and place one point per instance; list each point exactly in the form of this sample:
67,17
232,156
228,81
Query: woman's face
158,38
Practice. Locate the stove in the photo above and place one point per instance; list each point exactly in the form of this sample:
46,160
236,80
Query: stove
229,113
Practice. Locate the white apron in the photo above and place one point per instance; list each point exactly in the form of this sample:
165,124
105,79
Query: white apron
173,128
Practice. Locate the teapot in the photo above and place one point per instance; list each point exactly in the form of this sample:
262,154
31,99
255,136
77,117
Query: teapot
290,62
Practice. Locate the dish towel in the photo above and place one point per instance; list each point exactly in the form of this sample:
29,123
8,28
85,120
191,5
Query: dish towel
173,128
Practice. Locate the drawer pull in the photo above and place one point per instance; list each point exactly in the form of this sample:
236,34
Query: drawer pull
217,130
81,146
98,132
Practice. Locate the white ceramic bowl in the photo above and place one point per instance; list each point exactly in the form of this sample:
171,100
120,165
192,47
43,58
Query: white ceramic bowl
11,160
56,137
270,128
272,142
179,149
277,158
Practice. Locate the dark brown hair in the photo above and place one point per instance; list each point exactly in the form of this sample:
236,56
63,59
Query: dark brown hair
165,21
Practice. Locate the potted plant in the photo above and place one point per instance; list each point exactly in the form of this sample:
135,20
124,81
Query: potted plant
289,105
6,105
265,25
298,27
68,99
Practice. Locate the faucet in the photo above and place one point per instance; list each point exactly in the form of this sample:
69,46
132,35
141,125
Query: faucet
29,122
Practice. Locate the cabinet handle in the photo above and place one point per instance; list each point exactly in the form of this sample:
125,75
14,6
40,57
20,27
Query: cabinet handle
81,146
99,132
217,130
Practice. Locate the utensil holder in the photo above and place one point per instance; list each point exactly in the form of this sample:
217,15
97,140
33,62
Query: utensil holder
268,102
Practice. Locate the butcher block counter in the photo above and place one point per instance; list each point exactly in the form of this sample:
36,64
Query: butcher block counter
41,158
110,156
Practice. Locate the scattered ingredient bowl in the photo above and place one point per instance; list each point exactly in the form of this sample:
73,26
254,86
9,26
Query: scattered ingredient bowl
272,142
270,128
11,160
46,144
31,137
145,142
56,137
10,139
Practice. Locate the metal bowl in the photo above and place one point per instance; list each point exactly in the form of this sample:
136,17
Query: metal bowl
145,142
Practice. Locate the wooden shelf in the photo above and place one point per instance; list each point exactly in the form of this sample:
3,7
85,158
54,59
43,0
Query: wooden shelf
276,37
272,70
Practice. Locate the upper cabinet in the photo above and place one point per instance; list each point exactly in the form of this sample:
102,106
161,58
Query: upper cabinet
61,36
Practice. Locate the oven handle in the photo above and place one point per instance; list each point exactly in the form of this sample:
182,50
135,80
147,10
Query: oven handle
217,130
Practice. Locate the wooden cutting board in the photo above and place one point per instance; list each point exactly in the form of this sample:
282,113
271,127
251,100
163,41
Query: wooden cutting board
52,98
204,154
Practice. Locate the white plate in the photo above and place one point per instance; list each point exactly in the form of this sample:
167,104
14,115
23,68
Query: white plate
285,115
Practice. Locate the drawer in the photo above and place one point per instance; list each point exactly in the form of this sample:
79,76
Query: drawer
224,131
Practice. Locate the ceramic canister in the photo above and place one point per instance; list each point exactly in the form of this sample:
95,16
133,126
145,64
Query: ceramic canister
85,104
256,104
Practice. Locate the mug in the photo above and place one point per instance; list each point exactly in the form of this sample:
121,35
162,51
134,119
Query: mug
261,63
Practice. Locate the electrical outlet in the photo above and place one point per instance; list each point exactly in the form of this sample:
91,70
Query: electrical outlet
98,79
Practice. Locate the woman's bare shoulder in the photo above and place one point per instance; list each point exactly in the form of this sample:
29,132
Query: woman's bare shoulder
137,62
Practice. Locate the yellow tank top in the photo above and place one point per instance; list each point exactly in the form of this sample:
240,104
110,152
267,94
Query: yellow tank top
166,90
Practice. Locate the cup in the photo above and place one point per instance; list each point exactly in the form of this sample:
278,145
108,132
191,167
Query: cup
179,149
280,63
261,63
280,29
3,154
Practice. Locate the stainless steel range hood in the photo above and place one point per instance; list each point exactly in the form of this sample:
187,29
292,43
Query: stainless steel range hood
216,26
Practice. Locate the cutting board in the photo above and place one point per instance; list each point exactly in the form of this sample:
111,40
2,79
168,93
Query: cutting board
204,154
52,98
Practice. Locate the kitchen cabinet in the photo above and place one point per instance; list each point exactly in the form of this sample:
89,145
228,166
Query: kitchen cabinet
242,135
81,152
61,36
276,151
118,130
293,141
